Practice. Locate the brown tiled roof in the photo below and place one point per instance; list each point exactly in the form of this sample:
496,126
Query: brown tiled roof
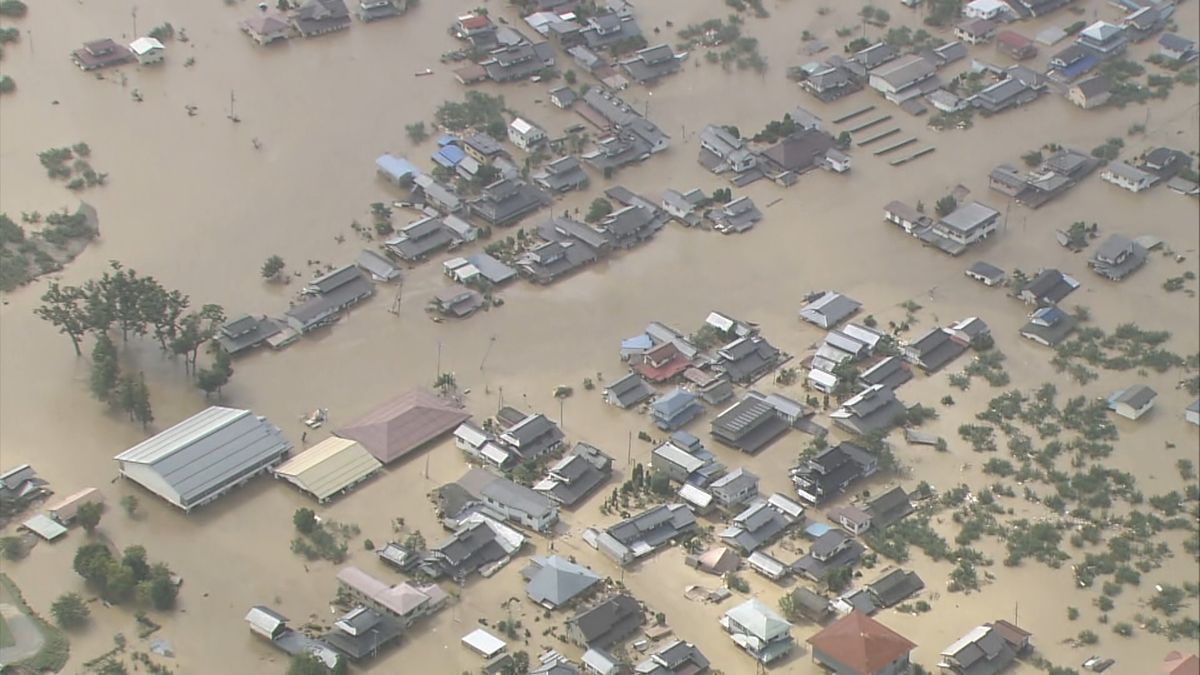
861,642
403,424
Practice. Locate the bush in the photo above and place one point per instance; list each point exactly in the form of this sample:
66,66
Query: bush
69,610
304,520
7,84
13,548
13,8
737,583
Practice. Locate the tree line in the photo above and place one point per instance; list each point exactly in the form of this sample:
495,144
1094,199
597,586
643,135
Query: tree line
122,301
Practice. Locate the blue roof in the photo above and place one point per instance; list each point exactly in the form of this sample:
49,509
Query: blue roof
1051,315
642,341
1080,67
449,156
669,404
396,167
817,529
448,139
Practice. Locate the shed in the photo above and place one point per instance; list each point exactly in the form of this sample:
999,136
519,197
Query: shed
44,527
483,643
147,50
1133,402
266,622
329,467
398,170
204,456
64,510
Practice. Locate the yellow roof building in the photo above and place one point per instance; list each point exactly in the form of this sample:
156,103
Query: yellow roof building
329,467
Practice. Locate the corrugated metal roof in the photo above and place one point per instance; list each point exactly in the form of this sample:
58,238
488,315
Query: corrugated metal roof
207,449
329,467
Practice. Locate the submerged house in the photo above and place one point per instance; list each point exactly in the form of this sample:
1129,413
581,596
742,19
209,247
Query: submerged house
986,649
759,631
266,27
646,532
1049,326
576,475
246,332
103,53
831,471
328,296
749,425
508,200
401,426
874,409
1117,257
858,644
318,17
675,409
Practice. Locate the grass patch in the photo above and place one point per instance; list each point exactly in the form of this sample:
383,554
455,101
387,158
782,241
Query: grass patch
6,636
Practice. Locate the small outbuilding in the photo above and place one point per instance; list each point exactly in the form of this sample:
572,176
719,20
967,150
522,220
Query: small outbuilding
330,467
148,50
1132,402
483,643
64,510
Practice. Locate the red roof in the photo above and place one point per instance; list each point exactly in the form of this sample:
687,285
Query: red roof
662,363
1013,39
1177,663
404,424
474,22
862,643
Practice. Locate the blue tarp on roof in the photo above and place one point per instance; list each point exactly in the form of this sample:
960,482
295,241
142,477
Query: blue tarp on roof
642,341
449,156
817,529
1080,67
396,167
448,139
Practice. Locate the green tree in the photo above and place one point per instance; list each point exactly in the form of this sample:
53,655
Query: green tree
416,132
212,379
119,582
569,76
133,396
599,208
306,664
945,206
283,6
13,8
12,547
69,610
304,520
134,558
91,561
415,541
272,267
196,329
838,579
130,504
105,369
88,516
158,591
61,308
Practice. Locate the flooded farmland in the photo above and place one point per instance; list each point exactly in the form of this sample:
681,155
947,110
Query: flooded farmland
193,202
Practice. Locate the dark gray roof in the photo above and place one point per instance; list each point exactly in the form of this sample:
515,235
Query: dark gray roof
468,549
608,622
810,566
889,371
889,507
1136,396
508,200
245,332
895,586
629,390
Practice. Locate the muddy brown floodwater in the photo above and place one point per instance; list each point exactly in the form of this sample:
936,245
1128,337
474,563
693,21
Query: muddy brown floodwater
193,203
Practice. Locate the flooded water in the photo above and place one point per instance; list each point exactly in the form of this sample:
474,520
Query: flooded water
193,203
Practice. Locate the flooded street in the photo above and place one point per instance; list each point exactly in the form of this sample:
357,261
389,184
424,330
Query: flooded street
191,202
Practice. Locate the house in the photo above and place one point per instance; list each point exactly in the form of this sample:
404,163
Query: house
675,409
1090,93
967,224
642,534
829,83
905,78
987,9
458,303
507,501
482,445
986,273
479,269
1103,39
975,31
525,135
746,359
1166,162
1127,176
404,601
563,97
734,489
946,102
1048,326
148,50
608,29
373,10
102,53
518,61
480,544
721,151
435,195
508,200
851,518
946,54
19,486
1008,93
482,148
810,605
685,462
1117,257
856,644
895,586
651,64
761,522
831,471
986,649
561,175
1192,414
873,409
600,662
569,231
889,507
933,350
685,206
890,371
1049,287
379,267
1132,402
767,566
576,475
1071,63
1177,48
831,551
827,309
555,582
361,632
674,658
328,296
759,631
266,622
607,623
662,363
266,27
914,222
272,626
552,260
875,55
627,391
246,332
404,424
533,436
735,217
796,154
1015,45
629,225
330,467
318,17
472,26
205,456
420,238
718,560
749,425
1145,21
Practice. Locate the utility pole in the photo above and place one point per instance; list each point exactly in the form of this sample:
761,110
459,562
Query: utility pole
439,362
629,450
133,13
562,423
